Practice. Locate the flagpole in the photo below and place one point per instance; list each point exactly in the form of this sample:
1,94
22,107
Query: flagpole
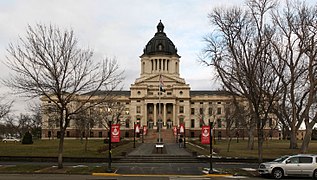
160,120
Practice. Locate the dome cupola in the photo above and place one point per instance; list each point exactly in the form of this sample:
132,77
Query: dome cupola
160,44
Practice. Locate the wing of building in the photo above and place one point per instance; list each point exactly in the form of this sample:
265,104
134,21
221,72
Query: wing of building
160,97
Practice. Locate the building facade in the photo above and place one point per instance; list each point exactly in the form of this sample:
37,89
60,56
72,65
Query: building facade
160,97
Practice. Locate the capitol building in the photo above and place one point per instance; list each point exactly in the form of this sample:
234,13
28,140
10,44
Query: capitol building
160,97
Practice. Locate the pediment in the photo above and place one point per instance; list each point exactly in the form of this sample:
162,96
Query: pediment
155,78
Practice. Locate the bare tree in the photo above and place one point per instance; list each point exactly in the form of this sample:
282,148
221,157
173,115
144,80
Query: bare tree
295,46
234,115
109,111
240,51
84,122
49,63
5,108
36,119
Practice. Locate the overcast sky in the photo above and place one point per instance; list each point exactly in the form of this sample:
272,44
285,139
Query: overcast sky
120,29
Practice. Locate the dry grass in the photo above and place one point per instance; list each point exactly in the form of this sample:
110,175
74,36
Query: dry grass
49,148
271,148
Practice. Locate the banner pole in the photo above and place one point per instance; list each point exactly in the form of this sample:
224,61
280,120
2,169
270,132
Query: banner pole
210,149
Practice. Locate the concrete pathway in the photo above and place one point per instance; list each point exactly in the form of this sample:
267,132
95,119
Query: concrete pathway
146,149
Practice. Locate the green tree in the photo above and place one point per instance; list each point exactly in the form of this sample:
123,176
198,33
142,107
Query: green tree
27,138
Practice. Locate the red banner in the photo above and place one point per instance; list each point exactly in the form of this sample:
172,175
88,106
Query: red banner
137,128
175,130
115,133
205,135
144,130
181,128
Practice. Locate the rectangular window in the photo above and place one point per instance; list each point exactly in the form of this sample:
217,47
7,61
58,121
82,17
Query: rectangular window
192,111
201,111
219,123
100,134
210,111
138,109
181,109
127,123
192,123
100,124
150,109
219,102
219,110
270,122
181,120
201,122
181,100
57,123
127,111
169,109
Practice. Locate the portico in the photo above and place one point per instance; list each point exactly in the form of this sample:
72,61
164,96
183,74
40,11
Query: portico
165,109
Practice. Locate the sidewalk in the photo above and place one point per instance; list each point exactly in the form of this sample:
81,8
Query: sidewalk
172,149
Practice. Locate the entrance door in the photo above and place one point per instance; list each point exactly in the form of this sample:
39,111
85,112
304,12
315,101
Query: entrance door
150,124
169,124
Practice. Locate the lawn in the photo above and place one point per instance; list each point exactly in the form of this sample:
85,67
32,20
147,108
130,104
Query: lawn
96,148
72,148
271,148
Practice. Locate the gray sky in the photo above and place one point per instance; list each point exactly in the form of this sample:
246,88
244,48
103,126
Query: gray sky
118,28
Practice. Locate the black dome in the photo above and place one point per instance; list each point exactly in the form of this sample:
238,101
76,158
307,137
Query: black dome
160,43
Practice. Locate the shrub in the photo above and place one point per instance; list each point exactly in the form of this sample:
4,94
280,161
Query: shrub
27,138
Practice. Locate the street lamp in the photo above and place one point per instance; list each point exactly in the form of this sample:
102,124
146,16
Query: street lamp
134,135
210,147
109,161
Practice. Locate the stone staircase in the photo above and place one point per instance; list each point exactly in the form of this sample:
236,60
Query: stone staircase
158,159
148,153
167,136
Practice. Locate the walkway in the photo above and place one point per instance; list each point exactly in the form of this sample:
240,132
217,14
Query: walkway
172,149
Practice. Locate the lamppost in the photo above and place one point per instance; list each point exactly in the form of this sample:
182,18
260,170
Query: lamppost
134,135
109,162
210,147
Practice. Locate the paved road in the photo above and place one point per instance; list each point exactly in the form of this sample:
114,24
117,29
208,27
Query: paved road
90,177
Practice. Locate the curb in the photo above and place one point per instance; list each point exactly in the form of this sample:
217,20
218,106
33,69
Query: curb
159,175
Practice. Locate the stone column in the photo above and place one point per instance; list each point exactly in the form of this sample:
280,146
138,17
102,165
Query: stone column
164,113
155,114
174,115
145,115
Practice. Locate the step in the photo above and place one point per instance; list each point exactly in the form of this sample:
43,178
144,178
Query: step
159,159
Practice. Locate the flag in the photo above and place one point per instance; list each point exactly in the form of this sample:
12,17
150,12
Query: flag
115,133
161,84
205,135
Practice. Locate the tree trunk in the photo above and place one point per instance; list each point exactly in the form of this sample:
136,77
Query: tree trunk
307,139
251,139
86,142
260,142
229,143
293,139
61,149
